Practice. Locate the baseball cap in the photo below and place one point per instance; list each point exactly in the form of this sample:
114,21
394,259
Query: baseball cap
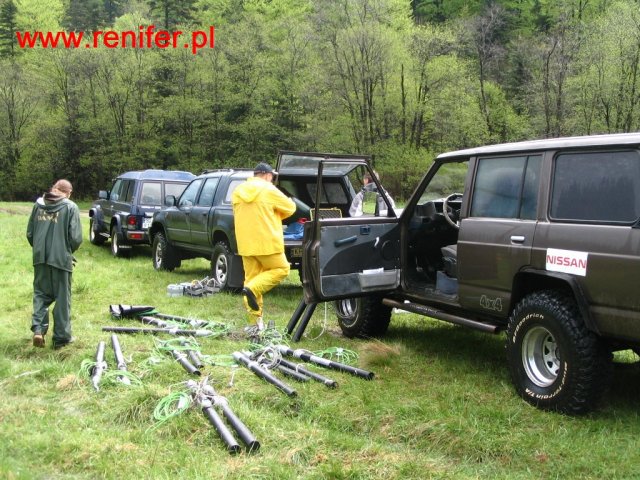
264,168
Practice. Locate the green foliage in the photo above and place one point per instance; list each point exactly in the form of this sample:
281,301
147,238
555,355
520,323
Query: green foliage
412,78
8,27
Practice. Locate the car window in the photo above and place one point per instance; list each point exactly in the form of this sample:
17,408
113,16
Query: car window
232,187
596,186
506,187
116,190
449,179
208,192
188,198
127,191
151,193
332,193
174,189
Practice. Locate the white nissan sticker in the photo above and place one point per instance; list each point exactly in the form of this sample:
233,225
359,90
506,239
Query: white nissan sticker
567,261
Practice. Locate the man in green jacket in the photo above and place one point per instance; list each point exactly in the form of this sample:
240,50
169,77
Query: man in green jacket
54,233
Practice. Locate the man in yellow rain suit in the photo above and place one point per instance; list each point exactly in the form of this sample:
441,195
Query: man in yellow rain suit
258,210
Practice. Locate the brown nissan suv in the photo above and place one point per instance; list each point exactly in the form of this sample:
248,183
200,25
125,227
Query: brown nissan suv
540,239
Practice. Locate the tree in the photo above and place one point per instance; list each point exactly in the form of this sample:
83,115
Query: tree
172,12
8,27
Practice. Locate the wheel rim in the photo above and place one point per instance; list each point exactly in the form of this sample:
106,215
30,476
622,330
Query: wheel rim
540,356
92,234
220,269
158,255
347,309
114,243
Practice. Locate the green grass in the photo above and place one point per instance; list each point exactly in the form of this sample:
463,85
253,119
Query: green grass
441,404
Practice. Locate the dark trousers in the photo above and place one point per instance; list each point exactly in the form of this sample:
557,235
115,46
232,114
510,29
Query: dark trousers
52,285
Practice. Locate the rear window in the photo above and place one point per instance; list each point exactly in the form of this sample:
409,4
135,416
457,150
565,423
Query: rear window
596,187
151,193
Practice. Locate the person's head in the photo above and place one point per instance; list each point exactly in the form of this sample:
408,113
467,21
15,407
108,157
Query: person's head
368,178
265,171
62,187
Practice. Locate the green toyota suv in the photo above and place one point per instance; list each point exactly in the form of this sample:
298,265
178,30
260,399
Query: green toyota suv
540,239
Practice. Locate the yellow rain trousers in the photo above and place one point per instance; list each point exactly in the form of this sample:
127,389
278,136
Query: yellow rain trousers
258,210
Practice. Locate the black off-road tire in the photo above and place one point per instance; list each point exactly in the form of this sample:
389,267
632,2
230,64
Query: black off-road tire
164,255
95,238
116,251
363,317
221,259
556,363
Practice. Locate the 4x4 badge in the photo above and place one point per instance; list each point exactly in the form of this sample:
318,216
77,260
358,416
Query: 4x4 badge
491,304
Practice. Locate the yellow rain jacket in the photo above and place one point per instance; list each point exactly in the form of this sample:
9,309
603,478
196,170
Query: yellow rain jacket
258,210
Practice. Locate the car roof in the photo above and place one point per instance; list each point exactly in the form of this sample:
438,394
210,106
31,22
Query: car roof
617,139
239,172
152,174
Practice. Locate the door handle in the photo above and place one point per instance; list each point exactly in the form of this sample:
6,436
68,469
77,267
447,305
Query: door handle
517,238
344,241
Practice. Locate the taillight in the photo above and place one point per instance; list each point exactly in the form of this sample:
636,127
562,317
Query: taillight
132,220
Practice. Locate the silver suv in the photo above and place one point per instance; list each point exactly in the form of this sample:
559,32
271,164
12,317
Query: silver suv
540,239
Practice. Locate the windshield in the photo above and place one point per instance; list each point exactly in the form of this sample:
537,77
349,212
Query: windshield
301,163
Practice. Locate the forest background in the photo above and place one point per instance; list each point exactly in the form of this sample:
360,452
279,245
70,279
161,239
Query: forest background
400,80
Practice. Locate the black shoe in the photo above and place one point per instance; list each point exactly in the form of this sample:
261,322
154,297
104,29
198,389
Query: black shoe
58,346
251,299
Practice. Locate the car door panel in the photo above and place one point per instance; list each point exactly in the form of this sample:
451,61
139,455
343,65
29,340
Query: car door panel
353,257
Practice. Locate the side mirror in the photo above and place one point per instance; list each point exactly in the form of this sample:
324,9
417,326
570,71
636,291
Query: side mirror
170,201
103,195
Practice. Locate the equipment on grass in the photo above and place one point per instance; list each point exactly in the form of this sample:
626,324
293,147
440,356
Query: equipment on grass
171,331
323,362
263,373
315,376
99,367
120,362
193,322
186,364
130,311
206,396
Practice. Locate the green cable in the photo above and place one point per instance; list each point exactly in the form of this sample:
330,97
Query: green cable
171,406
339,354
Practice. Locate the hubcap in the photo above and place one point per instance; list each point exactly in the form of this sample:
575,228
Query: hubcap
347,310
158,254
540,356
114,243
220,269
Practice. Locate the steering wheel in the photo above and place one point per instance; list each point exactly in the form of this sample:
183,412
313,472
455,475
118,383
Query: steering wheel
445,210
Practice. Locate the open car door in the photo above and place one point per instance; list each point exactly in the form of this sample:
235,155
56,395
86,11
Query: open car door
347,256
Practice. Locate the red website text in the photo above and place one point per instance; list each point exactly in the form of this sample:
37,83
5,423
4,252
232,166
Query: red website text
145,37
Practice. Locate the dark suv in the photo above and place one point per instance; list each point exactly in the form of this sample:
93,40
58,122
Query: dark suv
123,214
540,239
200,222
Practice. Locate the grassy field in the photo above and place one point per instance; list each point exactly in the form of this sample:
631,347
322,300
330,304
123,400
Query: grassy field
440,406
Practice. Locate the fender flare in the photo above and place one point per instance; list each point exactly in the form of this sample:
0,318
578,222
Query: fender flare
581,297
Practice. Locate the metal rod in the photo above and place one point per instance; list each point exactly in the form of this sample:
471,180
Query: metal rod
316,376
304,321
323,362
255,367
225,434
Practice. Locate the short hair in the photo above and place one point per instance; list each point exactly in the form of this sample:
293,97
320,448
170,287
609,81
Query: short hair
63,186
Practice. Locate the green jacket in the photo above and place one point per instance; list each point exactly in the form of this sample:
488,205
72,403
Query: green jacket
54,231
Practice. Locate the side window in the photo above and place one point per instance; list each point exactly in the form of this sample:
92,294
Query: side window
232,187
116,190
506,187
188,198
174,189
127,191
208,192
596,186
151,193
